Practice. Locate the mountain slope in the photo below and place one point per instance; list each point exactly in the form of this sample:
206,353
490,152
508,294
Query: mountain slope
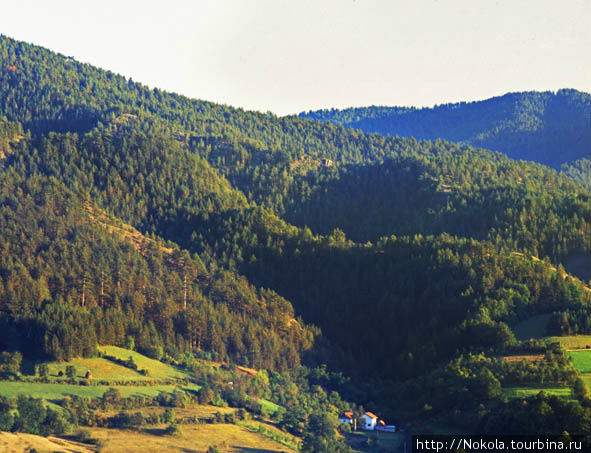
545,127
71,278
438,267
311,174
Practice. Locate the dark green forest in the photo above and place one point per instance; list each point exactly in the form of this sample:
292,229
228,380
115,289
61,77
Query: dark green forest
552,128
70,279
273,242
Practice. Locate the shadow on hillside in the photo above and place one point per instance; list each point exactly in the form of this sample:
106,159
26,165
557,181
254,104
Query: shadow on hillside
578,265
368,201
28,367
156,432
252,450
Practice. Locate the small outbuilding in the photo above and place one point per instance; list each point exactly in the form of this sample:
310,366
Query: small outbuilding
381,426
370,421
346,417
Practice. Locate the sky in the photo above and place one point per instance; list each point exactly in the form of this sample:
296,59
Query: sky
291,56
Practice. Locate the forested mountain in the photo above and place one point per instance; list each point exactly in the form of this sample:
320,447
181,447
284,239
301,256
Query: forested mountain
407,254
72,276
545,127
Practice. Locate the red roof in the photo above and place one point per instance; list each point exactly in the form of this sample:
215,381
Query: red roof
382,423
348,415
370,415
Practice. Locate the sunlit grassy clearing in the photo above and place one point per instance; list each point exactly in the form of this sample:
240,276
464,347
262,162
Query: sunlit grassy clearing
58,391
157,369
582,360
522,392
572,341
227,438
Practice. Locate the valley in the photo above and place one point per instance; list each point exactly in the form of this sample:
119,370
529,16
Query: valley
181,275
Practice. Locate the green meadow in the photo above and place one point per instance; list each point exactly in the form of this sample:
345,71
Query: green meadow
524,392
572,341
58,391
581,360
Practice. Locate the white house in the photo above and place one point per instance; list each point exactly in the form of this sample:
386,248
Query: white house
346,417
369,421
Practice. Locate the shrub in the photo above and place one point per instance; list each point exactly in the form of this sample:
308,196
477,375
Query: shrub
34,418
126,420
31,414
206,395
173,352
84,435
43,370
163,399
10,362
174,430
112,396
344,428
168,416
580,389
129,342
218,401
241,414
177,399
154,352
71,371
152,419
130,363
6,418
254,406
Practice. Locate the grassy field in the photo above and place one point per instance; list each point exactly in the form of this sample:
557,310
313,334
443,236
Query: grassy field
58,391
194,410
194,438
158,370
269,406
572,341
270,431
582,360
100,368
522,392
107,370
227,437
208,411
21,442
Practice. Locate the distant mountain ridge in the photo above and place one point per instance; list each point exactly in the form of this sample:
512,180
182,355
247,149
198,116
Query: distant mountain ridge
551,128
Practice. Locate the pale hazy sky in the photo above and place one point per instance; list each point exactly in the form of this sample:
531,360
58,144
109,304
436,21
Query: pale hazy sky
289,56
